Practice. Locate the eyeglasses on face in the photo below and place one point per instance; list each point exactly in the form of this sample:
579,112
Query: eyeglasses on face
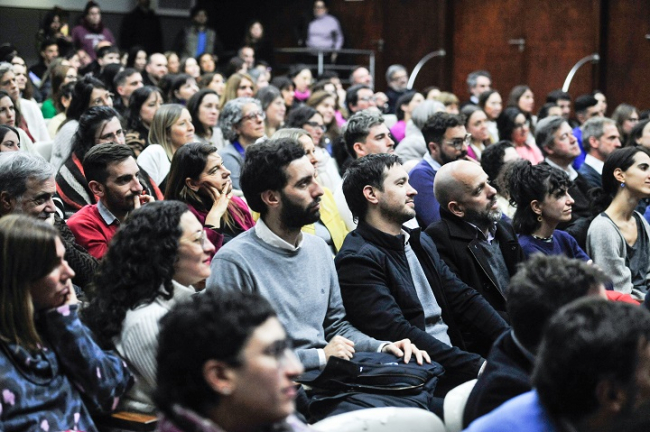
317,126
254,115
458,143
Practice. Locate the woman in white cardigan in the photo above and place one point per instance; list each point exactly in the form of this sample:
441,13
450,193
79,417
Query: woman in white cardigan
619,238
152,263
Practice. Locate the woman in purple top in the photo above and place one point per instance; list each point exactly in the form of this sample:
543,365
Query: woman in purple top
198,178
91,30
541,195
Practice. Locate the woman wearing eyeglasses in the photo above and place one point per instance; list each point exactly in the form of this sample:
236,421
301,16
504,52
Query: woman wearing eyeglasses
273,105
242,123
153,262
514,126
307,118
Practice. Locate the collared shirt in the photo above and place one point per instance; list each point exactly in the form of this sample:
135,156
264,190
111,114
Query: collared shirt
269,237
431,161
595,163
490,235
106,214
573,174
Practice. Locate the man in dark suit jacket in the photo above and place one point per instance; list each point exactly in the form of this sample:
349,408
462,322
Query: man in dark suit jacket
600,137
535,293
393,282
471,238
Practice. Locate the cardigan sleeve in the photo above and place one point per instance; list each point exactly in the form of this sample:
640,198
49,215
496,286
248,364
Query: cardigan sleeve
606,246
101,376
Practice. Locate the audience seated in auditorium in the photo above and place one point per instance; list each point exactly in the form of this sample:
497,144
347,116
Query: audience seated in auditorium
412,292
199,178
235,373
560,149
113,177
619,238
478,82
365,133
170,129
447,141
88,92
600,138
27,187
329,226
91,31
471,237
589,374
159,253
275,258
53,373
535,293
242,123
143,105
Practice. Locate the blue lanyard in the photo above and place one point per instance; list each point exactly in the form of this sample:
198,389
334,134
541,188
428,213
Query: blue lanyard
239,148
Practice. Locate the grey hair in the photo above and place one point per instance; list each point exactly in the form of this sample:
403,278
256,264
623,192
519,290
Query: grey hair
231,115
358,127
291,133
545,130
5,67
594,127
426,109
392,70
267,95
472,78
16,168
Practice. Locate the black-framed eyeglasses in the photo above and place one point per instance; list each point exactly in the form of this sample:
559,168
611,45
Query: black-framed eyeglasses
458,143
317,126
253,115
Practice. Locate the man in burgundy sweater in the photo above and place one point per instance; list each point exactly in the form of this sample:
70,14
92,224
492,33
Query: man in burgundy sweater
112,175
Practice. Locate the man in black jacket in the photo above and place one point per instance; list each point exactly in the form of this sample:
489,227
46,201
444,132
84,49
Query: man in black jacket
471,238
393,281
538,291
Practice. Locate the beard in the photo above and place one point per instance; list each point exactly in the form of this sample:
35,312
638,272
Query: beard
295,216
445,158
398,216
483,218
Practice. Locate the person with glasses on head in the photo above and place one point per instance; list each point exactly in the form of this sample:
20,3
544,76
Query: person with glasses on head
514,126
447,141
242,123
98,125
88,92
160,254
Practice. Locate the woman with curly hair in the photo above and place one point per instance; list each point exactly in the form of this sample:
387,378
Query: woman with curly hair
540,193
53,373
152,263
199,179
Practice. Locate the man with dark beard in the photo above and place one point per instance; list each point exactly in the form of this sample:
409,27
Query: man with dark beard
291,269
447,141
471,238
395,285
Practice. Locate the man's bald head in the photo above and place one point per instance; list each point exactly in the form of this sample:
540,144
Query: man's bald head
451,182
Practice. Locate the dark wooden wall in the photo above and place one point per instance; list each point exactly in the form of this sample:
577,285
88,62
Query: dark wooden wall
474,33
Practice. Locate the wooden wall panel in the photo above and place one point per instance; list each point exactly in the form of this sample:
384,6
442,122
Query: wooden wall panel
628,54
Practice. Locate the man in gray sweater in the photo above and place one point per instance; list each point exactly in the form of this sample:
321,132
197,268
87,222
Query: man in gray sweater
291,269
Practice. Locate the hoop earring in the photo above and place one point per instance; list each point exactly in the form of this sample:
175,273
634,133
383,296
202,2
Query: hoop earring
539,218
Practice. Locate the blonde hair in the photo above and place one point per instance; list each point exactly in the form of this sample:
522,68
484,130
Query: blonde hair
230,92
28,253
160,130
